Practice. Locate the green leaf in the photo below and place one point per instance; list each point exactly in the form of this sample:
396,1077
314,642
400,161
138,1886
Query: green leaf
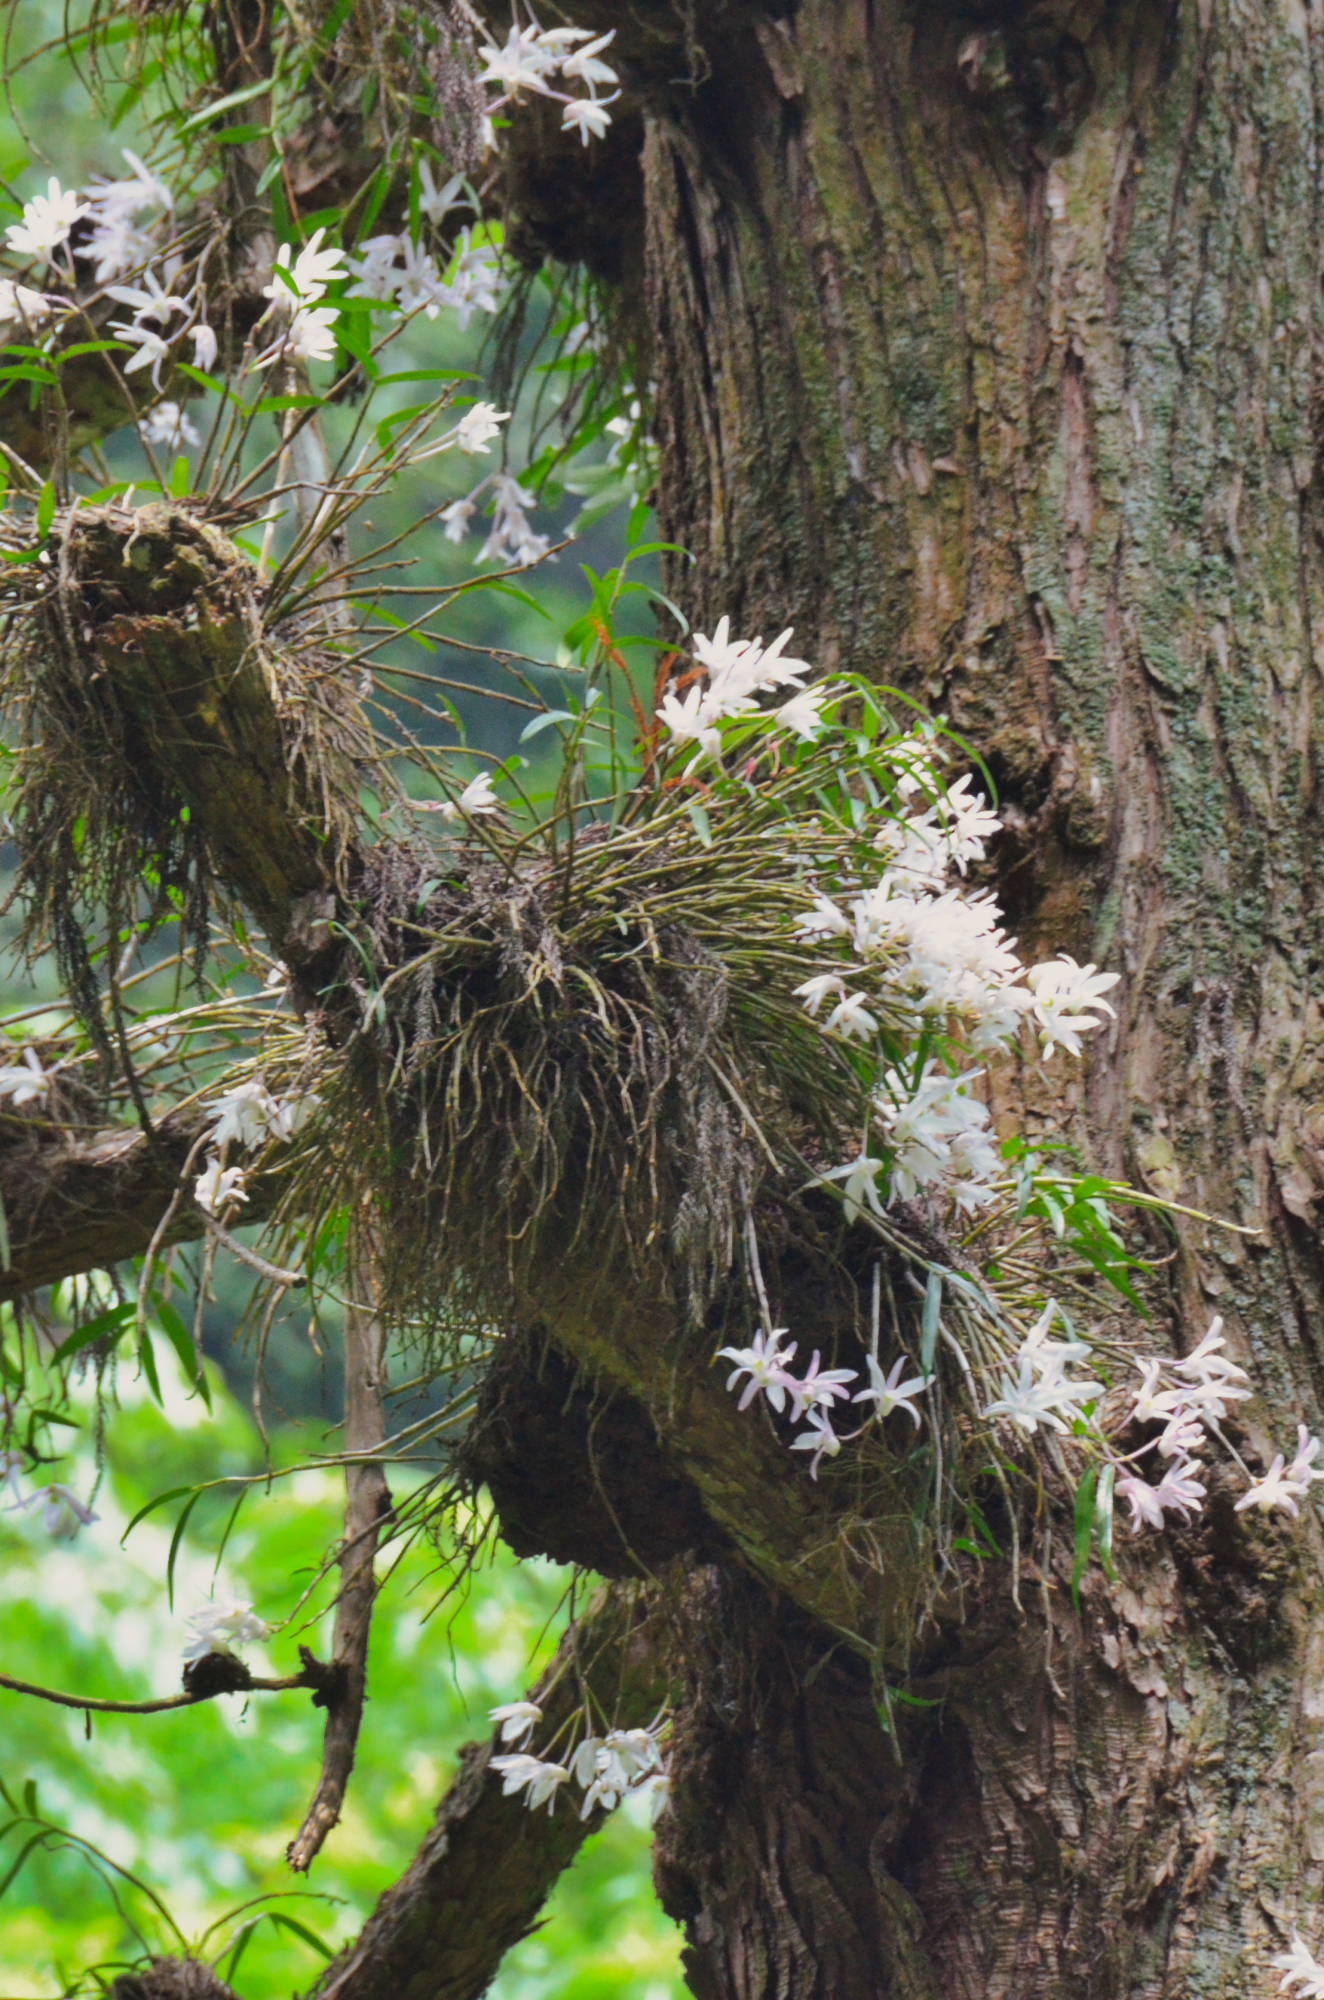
1103,1520
301,1930
541,722
34,1840
95,1329
223,104
87,347
46,509
521,596
928,1337
354,339
241,1944
147,1362
271,172
161,1500
175,1541
204,381
179,475
910,1700
1084,1528
130,97
180,1338
700,822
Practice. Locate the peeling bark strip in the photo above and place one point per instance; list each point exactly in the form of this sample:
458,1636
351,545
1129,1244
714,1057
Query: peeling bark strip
487,1866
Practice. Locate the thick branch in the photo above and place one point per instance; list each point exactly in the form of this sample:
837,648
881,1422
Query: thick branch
76,1204
488,1864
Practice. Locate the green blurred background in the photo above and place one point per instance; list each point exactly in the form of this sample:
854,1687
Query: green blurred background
200,1804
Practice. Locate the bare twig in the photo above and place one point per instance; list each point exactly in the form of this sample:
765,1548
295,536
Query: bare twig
367,1504
313,1678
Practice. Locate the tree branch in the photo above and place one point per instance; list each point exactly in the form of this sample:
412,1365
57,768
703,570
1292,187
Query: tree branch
367,1504
488,1864
238,1681
75,1204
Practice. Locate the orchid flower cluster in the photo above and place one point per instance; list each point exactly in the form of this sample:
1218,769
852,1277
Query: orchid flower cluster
532,56
63,1514
125,224
604,1767
26,1081
812,1396
248,1116
220,1624
923,987
914,943
1300,1969
1184,1398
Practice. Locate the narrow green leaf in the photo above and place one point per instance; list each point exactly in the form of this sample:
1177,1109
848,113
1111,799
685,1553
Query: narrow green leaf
87,347
928,1336
699,819
227,103
35,1840
520,596
107,1322
181,1339
241,1944
175,1541
161,1500
1104,1519
46,509
179,473
541,722
205,381
300,1930
147,1362
1084,1528
230,1521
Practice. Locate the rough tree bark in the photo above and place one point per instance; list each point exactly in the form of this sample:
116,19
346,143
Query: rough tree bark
987,352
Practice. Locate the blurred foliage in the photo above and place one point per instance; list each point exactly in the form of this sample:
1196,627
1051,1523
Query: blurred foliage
201,1803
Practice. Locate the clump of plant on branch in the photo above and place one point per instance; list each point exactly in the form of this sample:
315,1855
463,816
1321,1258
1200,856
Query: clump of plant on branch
690,1001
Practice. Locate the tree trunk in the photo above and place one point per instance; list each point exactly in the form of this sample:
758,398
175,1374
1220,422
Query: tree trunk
987,355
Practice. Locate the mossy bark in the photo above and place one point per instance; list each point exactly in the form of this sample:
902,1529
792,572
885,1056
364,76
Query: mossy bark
987,355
